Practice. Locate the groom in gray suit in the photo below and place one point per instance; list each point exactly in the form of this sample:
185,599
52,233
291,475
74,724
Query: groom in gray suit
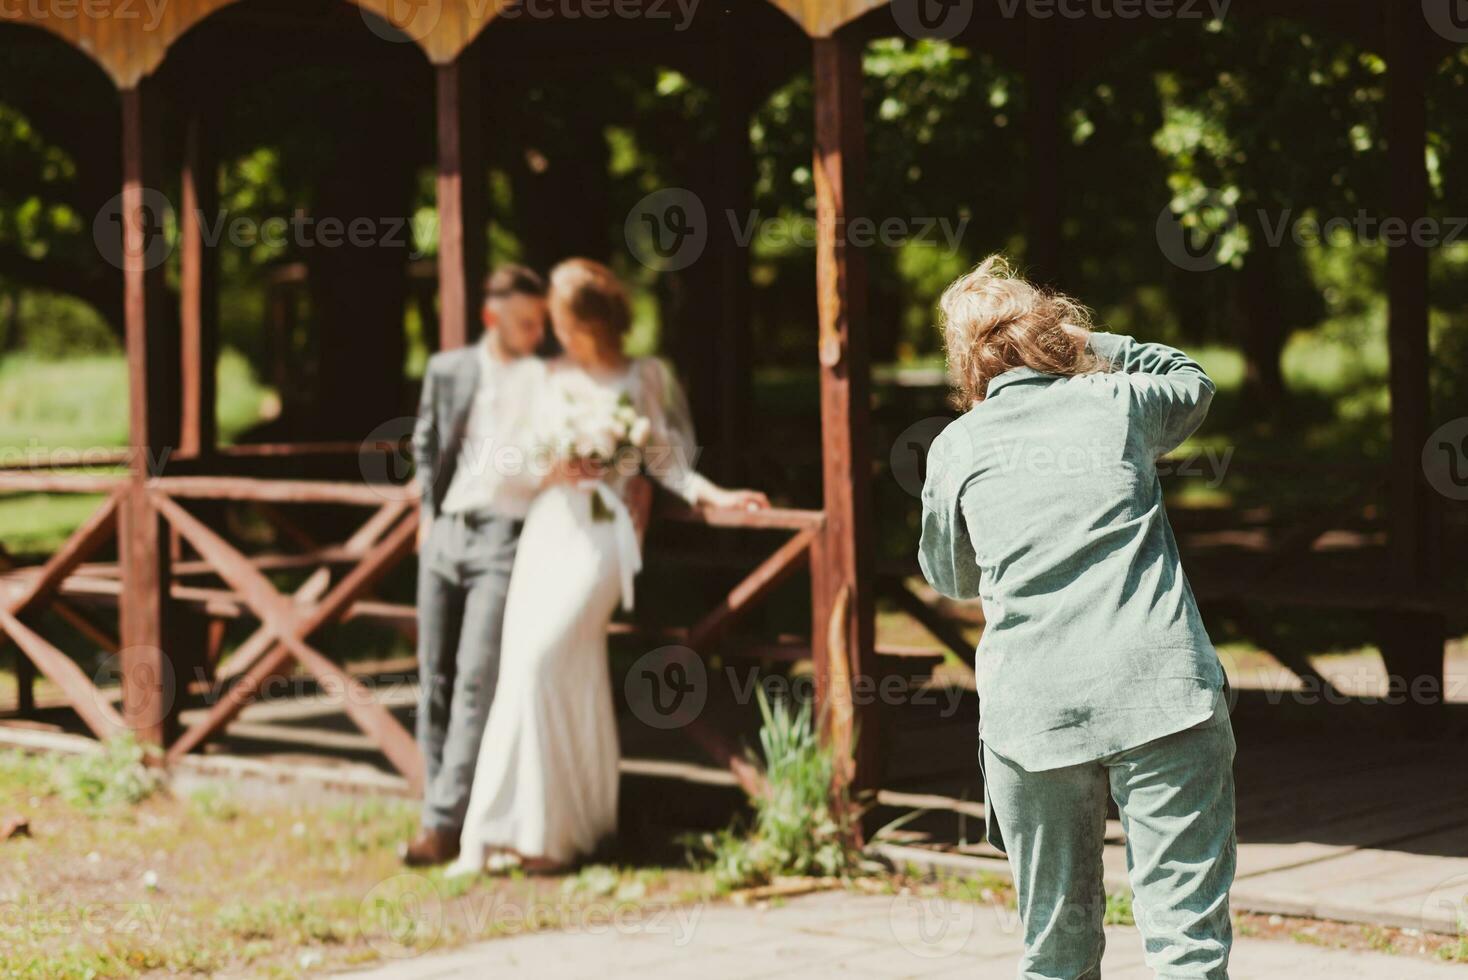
477,488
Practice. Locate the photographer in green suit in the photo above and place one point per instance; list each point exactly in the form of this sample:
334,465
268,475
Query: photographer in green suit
1096,677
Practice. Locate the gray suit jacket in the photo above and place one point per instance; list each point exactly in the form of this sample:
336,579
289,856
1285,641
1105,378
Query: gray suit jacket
449,386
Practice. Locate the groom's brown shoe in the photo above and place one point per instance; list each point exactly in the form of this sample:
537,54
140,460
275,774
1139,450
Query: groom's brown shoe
432,846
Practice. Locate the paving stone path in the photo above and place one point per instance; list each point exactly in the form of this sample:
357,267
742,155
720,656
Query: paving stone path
837,934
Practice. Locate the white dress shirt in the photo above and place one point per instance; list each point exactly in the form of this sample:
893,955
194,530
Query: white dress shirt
494,472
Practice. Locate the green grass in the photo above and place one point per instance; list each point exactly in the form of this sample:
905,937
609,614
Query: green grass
80,404
113,778
223,881
34,523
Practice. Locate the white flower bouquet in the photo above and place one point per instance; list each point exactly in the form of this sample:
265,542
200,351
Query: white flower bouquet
591,424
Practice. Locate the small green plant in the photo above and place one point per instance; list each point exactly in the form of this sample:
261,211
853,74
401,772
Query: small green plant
119,775
22,773
1379,939
1119,909
1454,952
801,826
214,803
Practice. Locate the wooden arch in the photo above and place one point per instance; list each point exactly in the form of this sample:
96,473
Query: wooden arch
129,45
822,18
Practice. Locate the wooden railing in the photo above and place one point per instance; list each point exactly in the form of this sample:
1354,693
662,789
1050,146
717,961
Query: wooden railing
338,587
35,590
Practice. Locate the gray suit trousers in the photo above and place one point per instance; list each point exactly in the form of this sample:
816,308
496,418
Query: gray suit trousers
463,582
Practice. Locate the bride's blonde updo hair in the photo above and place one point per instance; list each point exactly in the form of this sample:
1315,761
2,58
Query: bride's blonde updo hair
995,320
594,295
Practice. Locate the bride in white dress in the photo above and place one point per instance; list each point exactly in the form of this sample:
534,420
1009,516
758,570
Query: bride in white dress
545,786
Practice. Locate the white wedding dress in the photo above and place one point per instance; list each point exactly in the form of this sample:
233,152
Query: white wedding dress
545,785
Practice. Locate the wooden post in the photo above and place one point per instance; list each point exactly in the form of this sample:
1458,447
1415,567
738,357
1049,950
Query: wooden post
845,383
148,707
198,291
1043,65
461,196
733,182
1412,645
280,312
25,685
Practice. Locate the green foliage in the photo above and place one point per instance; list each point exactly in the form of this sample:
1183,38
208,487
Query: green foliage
799,828
51,325
1119,909
21,772
605,881
116,776
1454,952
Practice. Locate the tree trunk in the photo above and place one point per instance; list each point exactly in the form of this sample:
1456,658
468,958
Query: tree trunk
1263,332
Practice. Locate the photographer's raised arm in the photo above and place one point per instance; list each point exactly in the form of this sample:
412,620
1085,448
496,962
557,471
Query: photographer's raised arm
1172,390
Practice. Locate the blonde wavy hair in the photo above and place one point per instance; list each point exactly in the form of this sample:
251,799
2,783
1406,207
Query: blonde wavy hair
995,320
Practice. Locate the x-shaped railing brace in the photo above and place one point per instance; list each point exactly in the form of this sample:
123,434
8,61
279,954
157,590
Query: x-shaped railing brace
93,709
285,628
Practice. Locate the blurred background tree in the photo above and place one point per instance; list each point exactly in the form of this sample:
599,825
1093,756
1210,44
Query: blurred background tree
1244,130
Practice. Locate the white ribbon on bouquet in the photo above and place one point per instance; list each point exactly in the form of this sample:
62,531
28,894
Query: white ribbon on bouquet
629,552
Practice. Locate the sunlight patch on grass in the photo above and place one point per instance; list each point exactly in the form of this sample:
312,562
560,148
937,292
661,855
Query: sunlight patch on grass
80,404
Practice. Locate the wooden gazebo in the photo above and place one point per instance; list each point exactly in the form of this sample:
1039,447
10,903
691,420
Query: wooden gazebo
145,507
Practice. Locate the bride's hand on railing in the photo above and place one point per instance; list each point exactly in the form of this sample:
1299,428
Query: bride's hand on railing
724,499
